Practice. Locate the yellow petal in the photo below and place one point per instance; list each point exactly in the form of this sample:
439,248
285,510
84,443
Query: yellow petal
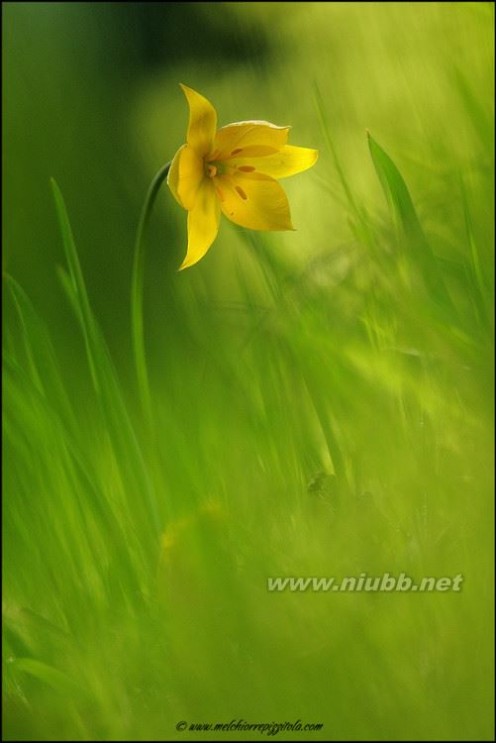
173,174
253,200
287,161
185,176
203,223
232,140
202,122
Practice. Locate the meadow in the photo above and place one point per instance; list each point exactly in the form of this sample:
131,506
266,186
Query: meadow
314,403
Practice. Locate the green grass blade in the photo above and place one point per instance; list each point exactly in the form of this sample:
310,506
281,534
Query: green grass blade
106,383
52,677
87,322
39,352
409,231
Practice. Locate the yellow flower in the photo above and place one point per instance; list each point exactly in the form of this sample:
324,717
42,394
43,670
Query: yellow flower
232,170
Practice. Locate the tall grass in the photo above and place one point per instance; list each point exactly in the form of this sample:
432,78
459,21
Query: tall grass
322,415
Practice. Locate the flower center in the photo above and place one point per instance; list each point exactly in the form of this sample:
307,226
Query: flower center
214,168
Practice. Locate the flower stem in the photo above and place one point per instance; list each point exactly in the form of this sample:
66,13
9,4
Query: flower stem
137,291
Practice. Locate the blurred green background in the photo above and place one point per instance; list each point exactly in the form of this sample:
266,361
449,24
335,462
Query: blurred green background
322,399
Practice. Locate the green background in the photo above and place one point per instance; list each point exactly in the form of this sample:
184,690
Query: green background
322,399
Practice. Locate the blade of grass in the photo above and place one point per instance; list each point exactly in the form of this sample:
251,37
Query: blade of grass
105,379
40,353
408,227
52,677
477,280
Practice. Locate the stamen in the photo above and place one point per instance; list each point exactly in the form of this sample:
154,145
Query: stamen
235,152
246,168
219,194
241,193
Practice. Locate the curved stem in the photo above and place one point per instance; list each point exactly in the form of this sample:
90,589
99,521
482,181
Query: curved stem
137,290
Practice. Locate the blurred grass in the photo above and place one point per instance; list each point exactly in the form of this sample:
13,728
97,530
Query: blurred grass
322,400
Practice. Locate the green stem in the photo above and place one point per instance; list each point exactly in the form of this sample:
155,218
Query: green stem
137,291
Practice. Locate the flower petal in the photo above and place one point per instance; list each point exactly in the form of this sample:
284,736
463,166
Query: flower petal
185,176
253,200
232,140
203,223
202,121
287,161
